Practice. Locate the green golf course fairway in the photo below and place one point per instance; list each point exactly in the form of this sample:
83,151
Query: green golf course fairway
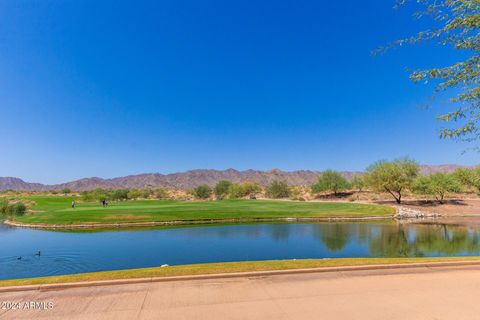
56,210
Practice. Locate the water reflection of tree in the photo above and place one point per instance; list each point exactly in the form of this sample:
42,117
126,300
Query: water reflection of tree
334,236
424,240
391,242
281,231
447,240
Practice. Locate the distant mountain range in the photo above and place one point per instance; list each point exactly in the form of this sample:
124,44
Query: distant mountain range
192,179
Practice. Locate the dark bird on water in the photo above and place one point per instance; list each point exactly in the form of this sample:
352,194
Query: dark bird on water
19,258
38,253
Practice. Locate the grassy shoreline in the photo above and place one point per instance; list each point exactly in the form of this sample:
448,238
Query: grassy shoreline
224,268
58,211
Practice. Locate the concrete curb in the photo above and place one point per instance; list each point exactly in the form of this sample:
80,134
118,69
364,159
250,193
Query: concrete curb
60,286
188,222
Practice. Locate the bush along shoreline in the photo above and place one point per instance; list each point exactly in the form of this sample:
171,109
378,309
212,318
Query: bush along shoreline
9,209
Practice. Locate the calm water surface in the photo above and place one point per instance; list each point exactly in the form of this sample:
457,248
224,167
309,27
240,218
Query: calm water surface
74,252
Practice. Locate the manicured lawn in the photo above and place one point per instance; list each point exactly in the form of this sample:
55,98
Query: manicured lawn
229,267
57,210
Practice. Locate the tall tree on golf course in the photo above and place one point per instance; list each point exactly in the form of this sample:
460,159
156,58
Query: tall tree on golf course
393,177
330,181
456,23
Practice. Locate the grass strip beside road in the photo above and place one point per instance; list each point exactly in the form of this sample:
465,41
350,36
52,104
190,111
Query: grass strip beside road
228,267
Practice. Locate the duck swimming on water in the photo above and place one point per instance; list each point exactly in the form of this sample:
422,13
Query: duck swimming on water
38,253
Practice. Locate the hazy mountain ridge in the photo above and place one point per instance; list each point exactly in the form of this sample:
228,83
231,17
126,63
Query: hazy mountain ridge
193,178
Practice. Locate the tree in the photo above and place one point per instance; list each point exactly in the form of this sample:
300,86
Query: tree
241,190
98,194
278,190
468,177
202,192
251,188
437,184
330,181
66,191
393,177
119,194
161,193
139,193
221,188
358,182
457,25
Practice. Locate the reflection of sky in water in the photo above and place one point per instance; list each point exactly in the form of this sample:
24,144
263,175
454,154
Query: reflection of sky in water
73,252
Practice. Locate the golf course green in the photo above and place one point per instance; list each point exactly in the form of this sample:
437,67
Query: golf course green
57,210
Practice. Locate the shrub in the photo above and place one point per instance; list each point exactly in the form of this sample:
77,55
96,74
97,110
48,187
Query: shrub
236,191
14,209
202,192
98,194
3,206
242,190
278,190
160,193
66,191
251,188
221,188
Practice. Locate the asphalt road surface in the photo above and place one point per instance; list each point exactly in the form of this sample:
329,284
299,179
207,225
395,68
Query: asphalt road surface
418,293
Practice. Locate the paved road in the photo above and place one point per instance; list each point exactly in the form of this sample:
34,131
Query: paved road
420,293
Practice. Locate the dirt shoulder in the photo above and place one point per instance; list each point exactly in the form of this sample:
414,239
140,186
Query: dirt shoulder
450,208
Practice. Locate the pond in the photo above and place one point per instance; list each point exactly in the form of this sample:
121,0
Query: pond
64,252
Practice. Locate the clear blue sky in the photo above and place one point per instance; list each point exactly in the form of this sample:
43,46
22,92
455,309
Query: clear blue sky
110,88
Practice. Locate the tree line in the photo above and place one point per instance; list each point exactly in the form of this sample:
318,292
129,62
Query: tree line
400,176
395,178
100,194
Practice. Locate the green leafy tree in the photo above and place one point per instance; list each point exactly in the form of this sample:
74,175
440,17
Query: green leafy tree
330,181
242,190
98,194
469,177
456,23
66,191
393,177
202,192
119,194
251,188
437,184
161,193
278,190
358,183
221,188
236,191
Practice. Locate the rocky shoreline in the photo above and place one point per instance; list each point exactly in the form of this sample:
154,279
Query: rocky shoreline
408,213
